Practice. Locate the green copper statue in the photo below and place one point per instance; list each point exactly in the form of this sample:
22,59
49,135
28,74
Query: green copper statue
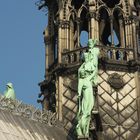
9,93
87,78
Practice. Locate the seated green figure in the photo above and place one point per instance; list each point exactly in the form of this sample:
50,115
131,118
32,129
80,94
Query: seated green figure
87,78
9,93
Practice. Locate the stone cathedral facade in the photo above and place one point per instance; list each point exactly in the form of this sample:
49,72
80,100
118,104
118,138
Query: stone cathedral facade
116,24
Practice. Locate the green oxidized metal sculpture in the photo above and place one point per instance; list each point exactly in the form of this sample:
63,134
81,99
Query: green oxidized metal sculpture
87,78
9,93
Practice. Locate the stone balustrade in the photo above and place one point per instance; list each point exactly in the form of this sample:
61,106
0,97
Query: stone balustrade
117,54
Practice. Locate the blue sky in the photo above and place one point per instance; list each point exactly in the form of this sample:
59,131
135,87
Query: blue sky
22,56
22,48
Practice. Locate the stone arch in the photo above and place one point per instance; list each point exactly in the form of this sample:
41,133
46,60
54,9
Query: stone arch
82,15
64,8
104,25
104,7
83,7
126,6
77,3
111,3
72,14
118,8
83,20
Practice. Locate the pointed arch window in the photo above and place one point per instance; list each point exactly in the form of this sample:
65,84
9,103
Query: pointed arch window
111,28
104,27
83,31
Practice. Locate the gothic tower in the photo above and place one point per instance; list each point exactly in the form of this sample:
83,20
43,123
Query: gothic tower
116,24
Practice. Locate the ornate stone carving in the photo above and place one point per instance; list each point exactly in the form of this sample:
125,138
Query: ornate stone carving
116,81
92,15
18,108
64,24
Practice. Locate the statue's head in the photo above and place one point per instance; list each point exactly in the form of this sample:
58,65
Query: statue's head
92,43
10,93
9,85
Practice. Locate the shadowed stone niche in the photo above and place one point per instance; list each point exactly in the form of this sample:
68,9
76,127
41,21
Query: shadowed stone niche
111,3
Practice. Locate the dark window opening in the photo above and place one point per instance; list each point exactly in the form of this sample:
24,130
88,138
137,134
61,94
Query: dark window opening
137,3
104,27
116,28
111,3
83,28
77,3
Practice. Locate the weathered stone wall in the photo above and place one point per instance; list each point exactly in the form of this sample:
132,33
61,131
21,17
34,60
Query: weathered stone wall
70,102
118,109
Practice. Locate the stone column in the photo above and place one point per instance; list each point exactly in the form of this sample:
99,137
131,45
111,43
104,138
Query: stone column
60,96
46,41
62,38
112,34
101,28
92,25
128,27
67,36
59,42
78,31
97,26
56,96
138,39
71,35
50,30
46,61
122,38
134,37
92,19
126,33
49,45
130,34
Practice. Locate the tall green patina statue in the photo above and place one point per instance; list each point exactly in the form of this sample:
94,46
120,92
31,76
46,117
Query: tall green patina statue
9,93
87,78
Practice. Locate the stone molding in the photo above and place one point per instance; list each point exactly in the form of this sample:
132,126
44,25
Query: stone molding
64,24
